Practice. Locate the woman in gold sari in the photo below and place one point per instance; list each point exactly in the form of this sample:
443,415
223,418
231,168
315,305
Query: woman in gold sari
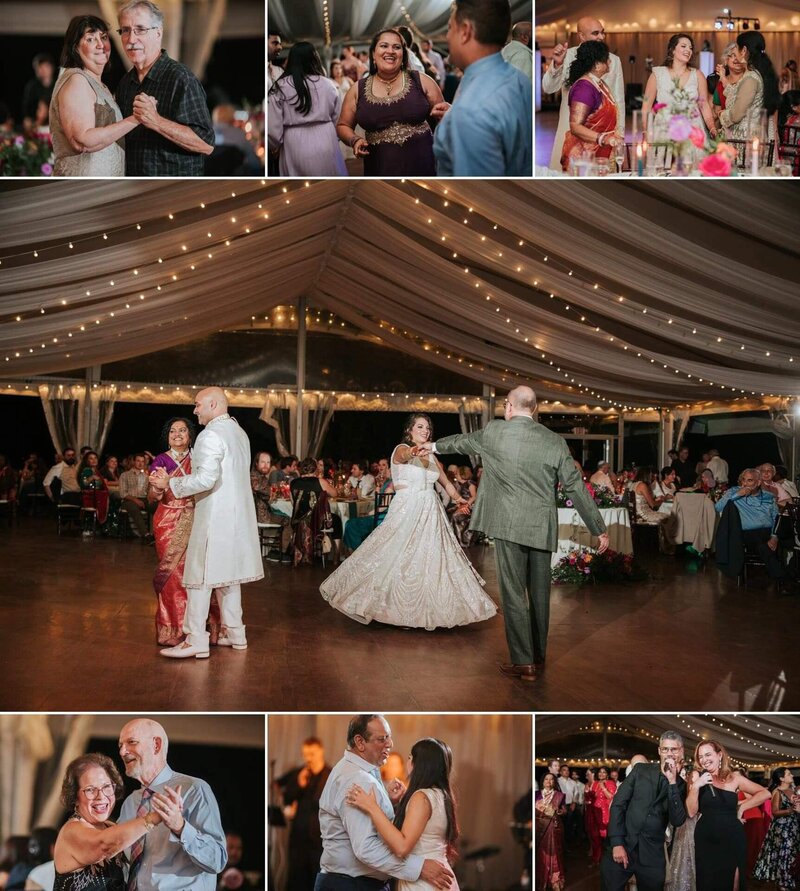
172,526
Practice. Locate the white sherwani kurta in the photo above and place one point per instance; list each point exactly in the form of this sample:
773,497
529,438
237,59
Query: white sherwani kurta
553,81
223,547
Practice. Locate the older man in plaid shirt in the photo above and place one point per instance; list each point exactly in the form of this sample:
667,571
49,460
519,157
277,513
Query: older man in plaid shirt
164,96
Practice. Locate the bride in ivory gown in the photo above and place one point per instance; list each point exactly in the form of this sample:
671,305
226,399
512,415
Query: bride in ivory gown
411,571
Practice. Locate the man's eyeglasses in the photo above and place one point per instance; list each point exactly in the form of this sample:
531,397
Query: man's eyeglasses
138,31
97,791
670,750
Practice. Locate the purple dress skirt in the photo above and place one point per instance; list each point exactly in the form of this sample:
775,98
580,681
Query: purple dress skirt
399,136
308,143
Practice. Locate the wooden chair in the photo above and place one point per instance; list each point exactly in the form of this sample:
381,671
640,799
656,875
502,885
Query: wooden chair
766,153
382,502
269,537
789,147
67,515
646,532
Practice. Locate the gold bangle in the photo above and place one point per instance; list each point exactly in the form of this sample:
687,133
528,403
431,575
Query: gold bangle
149,824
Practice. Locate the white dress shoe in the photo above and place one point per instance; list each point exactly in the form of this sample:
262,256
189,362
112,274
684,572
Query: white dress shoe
236,640
185,650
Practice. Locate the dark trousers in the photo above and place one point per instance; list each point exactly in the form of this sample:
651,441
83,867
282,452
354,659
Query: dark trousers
523,574
335,881
615,876
757,539
303,866
140,517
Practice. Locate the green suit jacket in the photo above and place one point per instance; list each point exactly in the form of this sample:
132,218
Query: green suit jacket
522,462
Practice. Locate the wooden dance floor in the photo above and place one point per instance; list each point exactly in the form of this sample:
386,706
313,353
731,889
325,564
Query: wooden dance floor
77,634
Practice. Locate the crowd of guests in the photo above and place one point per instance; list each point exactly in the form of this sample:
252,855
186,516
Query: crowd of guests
404,107
734,103
573,812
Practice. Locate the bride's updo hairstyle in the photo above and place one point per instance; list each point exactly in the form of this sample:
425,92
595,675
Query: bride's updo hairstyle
410,421
431,762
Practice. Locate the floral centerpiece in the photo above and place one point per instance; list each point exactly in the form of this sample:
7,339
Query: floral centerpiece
586,566
26,156
602,497
677,130
280,491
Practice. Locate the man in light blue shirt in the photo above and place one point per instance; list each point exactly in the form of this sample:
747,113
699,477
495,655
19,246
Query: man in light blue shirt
354,857
758,512
488,131
188,849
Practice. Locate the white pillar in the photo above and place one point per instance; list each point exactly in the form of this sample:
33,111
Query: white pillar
301,374
620,441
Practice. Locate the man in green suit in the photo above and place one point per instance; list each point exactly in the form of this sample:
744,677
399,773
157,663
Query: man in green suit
516,506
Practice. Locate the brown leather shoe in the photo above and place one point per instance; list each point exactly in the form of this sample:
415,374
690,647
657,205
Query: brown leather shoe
518,672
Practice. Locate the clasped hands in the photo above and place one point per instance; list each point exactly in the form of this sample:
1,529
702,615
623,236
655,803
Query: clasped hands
169,806
144,110
159,479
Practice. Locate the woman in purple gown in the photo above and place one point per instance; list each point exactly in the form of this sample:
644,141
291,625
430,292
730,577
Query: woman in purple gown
304,106
392,105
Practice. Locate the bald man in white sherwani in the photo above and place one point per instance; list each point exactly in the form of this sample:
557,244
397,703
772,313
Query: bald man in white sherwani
556,75
223,551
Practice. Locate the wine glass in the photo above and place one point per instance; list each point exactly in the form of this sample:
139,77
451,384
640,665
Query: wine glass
619,156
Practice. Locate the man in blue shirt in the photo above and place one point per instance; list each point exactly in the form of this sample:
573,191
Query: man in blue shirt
758,511
488,131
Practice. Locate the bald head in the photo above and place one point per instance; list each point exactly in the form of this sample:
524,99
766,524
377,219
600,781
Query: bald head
143,747
637,759
209,404
520,401
522,31
590,28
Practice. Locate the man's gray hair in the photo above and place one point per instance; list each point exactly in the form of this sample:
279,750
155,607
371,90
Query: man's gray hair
156,14
766,464
713,453
672,735
754,470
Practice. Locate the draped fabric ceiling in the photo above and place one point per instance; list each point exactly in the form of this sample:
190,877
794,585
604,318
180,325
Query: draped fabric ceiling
623,294
750,739
360,19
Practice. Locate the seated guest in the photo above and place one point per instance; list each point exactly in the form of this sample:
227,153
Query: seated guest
110,473
781,476
311,514
359,528
30,480
592,108
664,488
361,482
133,486
65,473
758,511
8,481
604,477
285,471
647,511
382,471
461,515
705,482
768,484
94,491
259,482
684,469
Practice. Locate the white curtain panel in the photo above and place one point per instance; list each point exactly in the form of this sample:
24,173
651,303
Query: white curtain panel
459,273
492,769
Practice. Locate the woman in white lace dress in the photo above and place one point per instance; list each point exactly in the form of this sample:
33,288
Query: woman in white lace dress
661,89
411,571
647,511
425,822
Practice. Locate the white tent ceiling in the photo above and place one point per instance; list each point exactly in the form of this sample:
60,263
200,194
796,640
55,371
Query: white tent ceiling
751,739
360,19
632,294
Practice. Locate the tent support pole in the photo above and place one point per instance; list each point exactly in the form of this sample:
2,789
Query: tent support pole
620,441
301,373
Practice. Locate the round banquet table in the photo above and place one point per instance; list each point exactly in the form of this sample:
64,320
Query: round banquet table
573,534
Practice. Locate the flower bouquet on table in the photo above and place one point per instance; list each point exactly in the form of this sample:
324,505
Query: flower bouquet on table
587,566
602,497
26,155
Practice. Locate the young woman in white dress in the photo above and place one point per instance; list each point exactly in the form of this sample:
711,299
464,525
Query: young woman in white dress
425,822
660,88
411,571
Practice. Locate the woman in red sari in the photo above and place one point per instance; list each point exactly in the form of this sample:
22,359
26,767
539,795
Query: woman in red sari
603,790
550,807
172,526
592,109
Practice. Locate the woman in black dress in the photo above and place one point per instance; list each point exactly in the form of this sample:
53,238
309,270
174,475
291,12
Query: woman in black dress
719,839
88,850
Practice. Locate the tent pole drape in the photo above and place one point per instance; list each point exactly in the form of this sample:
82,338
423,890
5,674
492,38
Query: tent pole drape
62,406
298,443
470,421
276,414
317,422
25,741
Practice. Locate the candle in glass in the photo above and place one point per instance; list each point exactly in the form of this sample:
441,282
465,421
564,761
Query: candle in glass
754,157
639,160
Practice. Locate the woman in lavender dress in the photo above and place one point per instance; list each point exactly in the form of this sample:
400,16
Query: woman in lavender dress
304,106
392,104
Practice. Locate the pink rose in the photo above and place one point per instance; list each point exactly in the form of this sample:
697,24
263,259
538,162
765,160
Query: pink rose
47,169
679,128
717,164
698,137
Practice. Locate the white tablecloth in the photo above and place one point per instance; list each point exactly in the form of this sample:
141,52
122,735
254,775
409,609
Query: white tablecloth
344,507
572,534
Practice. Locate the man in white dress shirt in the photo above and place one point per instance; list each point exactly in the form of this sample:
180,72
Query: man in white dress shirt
568,786
360,481
354,857
718,466
554,78
435,59
517,51
224,550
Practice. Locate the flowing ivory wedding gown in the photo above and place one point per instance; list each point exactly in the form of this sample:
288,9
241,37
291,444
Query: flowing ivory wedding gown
411,571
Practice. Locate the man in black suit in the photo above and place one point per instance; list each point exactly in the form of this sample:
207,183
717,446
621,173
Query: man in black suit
652,796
